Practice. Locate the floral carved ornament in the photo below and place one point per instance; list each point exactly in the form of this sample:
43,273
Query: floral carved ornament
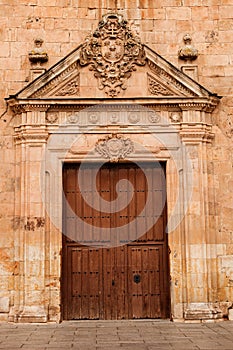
112,52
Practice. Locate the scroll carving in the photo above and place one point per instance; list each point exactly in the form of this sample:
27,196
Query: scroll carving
157,89
71,88
114,147
112,52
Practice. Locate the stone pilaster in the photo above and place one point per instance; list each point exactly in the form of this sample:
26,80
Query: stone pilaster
29,297
196,134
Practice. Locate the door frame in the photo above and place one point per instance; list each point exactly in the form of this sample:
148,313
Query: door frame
166,250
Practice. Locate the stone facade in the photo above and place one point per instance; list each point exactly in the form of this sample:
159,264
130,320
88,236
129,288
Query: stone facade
51,119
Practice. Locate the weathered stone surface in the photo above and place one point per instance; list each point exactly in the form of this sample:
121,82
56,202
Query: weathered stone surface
202,245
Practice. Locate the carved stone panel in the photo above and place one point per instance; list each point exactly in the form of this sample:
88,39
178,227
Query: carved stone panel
112,52
157,89
114,147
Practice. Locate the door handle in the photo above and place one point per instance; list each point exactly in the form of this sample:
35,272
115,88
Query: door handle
113,283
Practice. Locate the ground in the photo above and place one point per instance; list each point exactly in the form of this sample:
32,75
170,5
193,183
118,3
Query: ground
135,335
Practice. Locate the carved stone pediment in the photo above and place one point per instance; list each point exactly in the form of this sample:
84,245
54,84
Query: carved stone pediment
112,63
65,84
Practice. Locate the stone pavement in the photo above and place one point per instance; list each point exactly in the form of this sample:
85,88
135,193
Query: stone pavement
111,335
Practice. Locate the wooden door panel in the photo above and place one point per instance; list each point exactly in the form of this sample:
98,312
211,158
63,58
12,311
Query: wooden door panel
108,286
130,279
85,283
121,282
145,288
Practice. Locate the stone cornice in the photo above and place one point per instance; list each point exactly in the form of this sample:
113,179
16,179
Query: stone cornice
207,104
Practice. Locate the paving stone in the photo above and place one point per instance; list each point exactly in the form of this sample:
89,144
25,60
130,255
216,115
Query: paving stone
127,335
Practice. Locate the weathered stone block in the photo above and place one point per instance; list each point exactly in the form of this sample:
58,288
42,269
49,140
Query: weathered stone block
4,304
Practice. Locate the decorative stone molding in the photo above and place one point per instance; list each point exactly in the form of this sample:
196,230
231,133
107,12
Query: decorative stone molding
112,52
199,106
114,147
196,133
70,89
52,118
38,55
188,52
155,88
73,118
176,117
202,311
114,118
93,118
30,137
181,89
51,87
134,117
154,117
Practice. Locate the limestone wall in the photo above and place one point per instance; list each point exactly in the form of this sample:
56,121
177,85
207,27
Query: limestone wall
162,24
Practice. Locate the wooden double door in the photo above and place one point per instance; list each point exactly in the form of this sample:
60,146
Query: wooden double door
115,262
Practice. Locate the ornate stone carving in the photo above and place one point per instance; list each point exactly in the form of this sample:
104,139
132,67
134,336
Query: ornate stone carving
114,118
38,55
154,117
156,88
52,86
52,118
133,117
112,52
73,118
93,118
188,52
114,147
71,88
170,80
176,117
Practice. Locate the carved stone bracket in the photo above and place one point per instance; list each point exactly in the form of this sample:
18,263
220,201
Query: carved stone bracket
112,52
114,147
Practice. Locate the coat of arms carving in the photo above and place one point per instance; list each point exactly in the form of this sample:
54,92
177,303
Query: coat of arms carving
112,52
114,147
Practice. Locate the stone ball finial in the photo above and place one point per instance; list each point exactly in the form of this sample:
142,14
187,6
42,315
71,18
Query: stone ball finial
38,55
188,52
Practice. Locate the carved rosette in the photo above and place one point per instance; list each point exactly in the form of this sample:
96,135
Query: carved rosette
176,117
114,147
52,118
112,52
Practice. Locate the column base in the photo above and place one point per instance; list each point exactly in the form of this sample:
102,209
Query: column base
202,311
30,314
